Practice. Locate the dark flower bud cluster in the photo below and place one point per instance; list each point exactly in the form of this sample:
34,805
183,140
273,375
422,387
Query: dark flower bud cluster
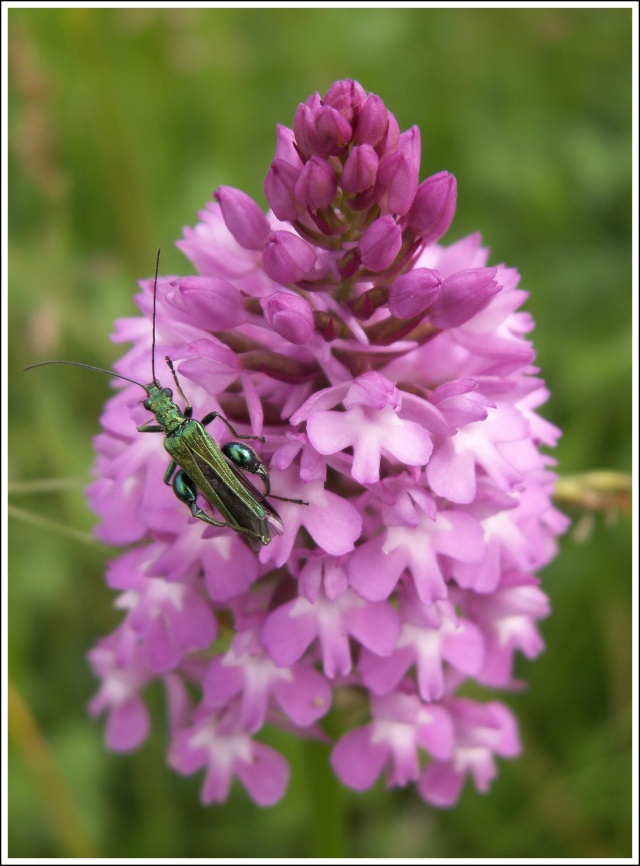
346,179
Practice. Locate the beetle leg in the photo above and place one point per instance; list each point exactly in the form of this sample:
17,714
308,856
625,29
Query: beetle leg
187,492
171,468
210,417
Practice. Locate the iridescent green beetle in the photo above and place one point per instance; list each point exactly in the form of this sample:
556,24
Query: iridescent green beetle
198,465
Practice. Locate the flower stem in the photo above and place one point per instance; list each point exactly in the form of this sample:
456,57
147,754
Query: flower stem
599,490
328,821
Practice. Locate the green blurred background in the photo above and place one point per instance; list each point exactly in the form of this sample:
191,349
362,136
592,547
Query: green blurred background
122,122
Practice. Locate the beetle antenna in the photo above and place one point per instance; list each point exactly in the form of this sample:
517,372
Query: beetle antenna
153,332
86,367
175,379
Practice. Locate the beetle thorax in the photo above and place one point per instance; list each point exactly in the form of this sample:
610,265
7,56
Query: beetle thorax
160,402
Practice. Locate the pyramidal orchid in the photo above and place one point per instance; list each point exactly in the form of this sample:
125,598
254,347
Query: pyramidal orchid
394,385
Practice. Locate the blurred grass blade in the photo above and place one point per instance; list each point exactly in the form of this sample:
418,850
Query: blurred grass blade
51,525
66,821
44,485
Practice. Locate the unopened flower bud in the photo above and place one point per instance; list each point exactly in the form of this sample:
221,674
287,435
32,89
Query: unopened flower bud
380,244
210,364
365,305
287,258
316,186
360,169
413,292
372,122
214,303
396,183
304,124
290,316
434,206
243,217
279,188
333,132
409,144
345,96
389,141
286,146
349,264
462,296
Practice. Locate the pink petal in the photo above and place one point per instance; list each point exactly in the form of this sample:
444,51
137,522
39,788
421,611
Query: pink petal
356,761
285,635
267,775
305,697
128,725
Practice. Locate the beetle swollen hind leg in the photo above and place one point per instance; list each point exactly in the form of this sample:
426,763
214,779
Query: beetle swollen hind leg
259,469
187,492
